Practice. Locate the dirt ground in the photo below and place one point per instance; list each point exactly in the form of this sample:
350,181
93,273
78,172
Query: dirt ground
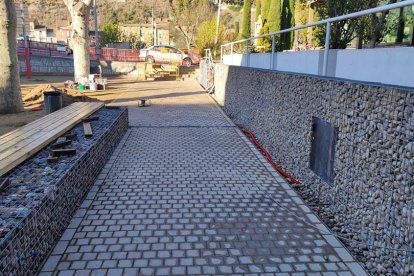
117,86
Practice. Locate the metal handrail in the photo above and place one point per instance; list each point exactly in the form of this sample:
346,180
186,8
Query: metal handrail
318,23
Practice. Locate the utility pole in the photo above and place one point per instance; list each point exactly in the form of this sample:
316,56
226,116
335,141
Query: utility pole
26,45
23,24
217,28
153,24
95,19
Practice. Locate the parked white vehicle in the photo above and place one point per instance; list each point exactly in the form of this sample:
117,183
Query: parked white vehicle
165,54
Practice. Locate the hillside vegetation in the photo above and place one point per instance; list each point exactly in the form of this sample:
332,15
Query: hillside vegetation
52,12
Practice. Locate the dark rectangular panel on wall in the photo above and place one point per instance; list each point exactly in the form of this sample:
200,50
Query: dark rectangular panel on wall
324,137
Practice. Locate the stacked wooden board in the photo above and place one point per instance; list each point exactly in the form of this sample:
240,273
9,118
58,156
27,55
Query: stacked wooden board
22,143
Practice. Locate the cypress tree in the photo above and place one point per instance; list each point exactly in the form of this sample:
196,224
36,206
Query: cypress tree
258,9
265,9
274,16
237,28
292,20
287,21
247,14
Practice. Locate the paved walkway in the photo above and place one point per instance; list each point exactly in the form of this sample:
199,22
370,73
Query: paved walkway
185,193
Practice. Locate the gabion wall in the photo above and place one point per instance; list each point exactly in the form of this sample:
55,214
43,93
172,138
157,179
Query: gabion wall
23,252
372,197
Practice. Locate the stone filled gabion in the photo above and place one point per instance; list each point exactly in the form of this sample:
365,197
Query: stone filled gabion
372,196
35,231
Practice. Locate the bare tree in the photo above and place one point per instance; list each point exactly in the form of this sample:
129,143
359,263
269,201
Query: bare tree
187,16
10,96
79,42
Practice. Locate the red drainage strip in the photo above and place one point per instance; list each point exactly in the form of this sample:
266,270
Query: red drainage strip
256,142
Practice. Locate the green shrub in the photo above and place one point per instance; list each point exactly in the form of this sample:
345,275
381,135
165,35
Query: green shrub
235,8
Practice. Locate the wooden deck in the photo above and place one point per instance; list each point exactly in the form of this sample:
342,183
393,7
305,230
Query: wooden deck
20,144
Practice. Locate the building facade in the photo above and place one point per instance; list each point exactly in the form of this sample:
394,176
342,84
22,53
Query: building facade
144,32
23,26
41,33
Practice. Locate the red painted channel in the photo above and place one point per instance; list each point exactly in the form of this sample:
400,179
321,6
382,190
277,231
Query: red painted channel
27,62
287,176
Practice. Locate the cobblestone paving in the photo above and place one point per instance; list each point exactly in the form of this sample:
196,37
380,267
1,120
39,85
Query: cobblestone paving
194,200
186,105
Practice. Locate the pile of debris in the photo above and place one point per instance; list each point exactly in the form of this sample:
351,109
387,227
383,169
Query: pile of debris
59,148
35,97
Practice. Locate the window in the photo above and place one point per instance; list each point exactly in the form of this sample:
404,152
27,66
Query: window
173,50
324,138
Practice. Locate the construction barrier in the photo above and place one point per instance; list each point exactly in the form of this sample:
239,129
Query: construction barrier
120,54
51,49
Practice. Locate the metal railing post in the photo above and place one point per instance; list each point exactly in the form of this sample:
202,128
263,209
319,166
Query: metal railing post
272,60
222,53
231,53
412,29
247,54
326,51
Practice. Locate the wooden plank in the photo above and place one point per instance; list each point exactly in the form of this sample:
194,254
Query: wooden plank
61,144
63,152
26,132
49,129
29,129
45,118
52,159
23,132
60,140
36,122
87,130
112,107
91,119
19,156
71,135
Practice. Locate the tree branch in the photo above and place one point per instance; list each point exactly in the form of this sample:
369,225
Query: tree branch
68,3
183,32
87,2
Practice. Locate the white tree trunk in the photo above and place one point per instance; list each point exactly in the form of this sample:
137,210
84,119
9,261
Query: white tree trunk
79,42
10,96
